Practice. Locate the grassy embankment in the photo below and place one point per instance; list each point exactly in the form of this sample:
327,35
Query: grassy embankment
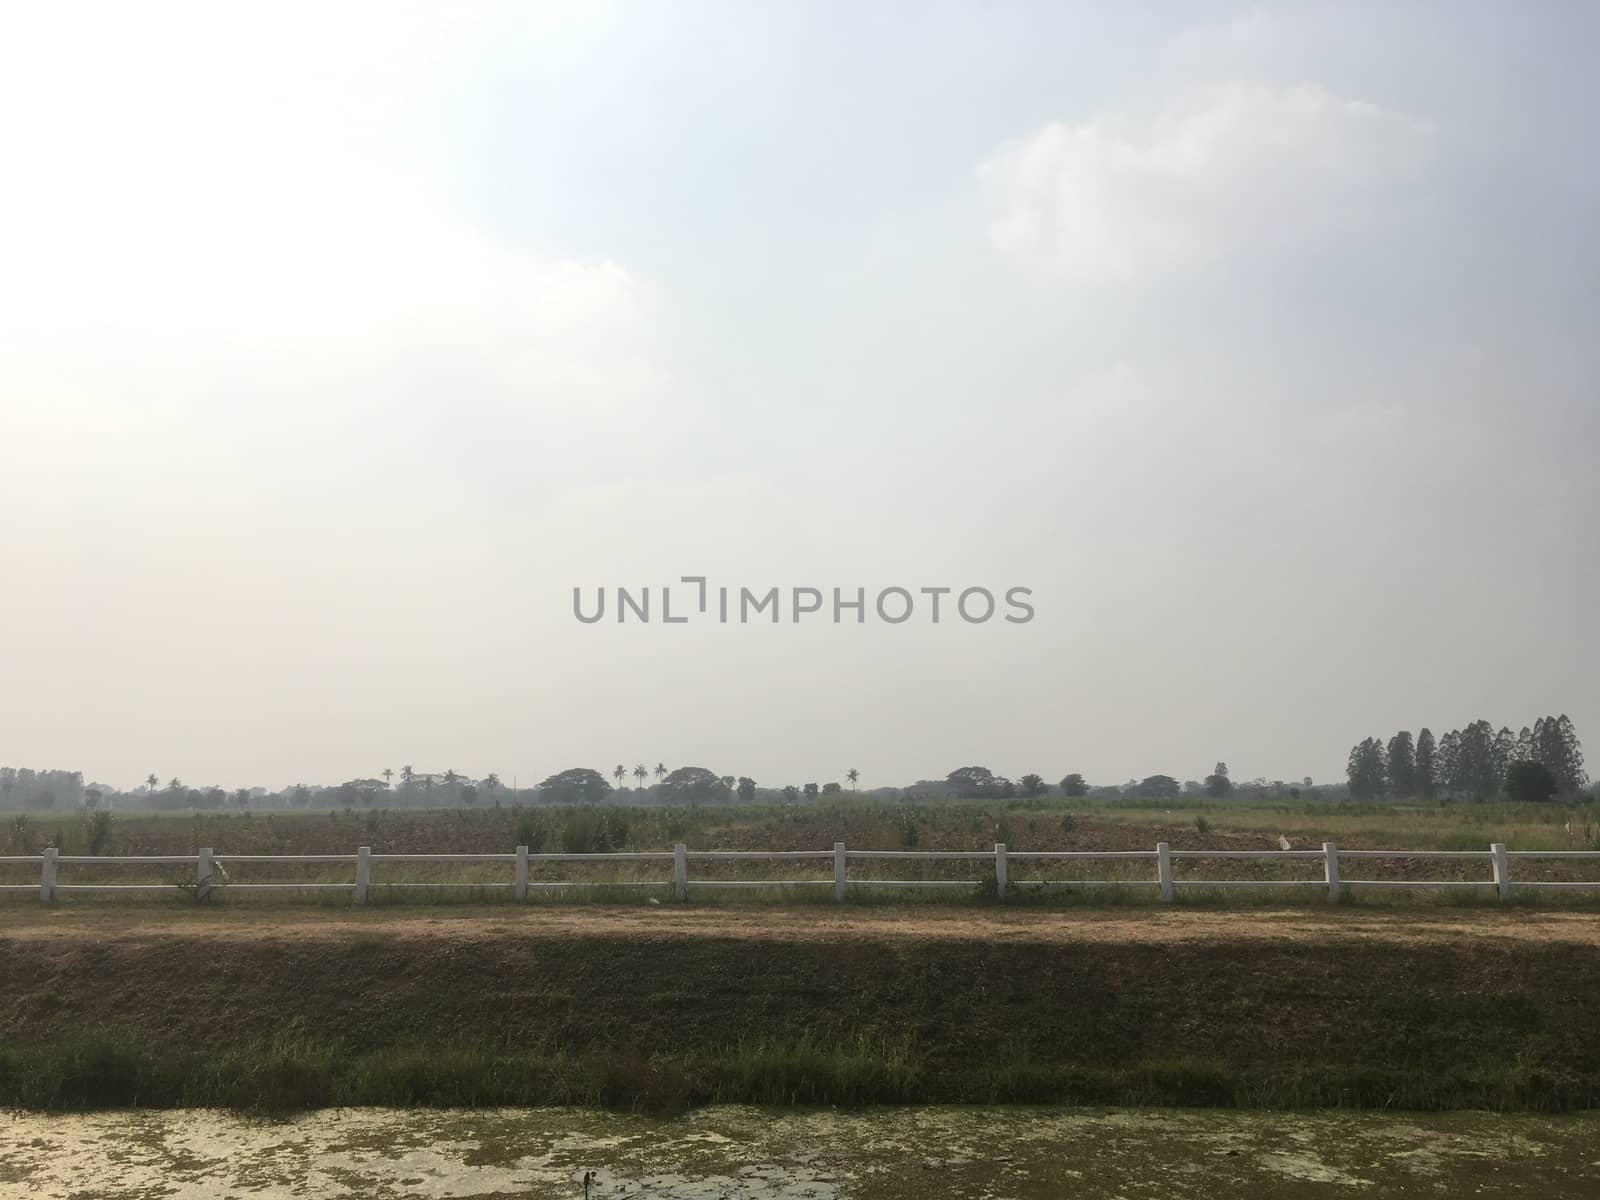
276,1011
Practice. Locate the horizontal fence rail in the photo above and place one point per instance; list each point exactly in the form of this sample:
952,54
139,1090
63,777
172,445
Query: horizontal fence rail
211,870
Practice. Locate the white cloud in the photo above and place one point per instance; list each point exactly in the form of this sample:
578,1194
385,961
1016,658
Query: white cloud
1226,167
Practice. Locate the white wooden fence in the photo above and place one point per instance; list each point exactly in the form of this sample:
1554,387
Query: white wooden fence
208,878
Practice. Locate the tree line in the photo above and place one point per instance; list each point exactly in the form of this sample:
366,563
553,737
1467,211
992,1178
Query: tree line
1542,761
1477,762
696,785
22,789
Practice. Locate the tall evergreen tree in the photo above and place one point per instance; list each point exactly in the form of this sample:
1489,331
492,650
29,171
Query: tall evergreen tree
1478,769
1555,744
1368,770
1402,766
1425,772
1449,763
1505,752
1576,777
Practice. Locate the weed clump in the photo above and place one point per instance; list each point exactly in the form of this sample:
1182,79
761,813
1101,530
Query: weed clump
97,831
532,830
908,822
594,831
806,1071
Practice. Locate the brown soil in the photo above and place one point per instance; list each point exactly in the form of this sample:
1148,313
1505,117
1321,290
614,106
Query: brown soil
66,926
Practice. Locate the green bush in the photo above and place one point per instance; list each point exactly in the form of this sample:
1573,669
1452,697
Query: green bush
594,831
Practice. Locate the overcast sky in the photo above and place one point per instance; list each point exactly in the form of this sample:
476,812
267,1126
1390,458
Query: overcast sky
338,343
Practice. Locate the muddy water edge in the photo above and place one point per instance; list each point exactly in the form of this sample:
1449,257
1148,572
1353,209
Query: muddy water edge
750,1153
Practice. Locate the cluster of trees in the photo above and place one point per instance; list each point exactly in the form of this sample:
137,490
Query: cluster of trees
422,787
980,783
685,785
23,789
415,788
1218,785
1542,761
26,789
699,785
176,795
695,783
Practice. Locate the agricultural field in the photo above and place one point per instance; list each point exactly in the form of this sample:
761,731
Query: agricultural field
1023,825
1041,824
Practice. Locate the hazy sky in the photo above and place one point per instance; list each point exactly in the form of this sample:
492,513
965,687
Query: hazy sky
338,343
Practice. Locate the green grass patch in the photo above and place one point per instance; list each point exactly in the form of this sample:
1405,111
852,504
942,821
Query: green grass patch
286,1075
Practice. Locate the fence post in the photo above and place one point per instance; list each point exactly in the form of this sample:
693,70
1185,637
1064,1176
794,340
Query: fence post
1330,871
1164,871
838,870
1502,869
522,873
680,872
202,876
47,874
1000,869
363,873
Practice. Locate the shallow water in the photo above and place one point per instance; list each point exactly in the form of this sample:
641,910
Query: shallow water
752,1154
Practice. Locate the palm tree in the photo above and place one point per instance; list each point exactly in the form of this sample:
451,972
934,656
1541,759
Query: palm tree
387,775
619,773
852,775
407,776
491,784
641,773
175,784
150,782
450,777
661,770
